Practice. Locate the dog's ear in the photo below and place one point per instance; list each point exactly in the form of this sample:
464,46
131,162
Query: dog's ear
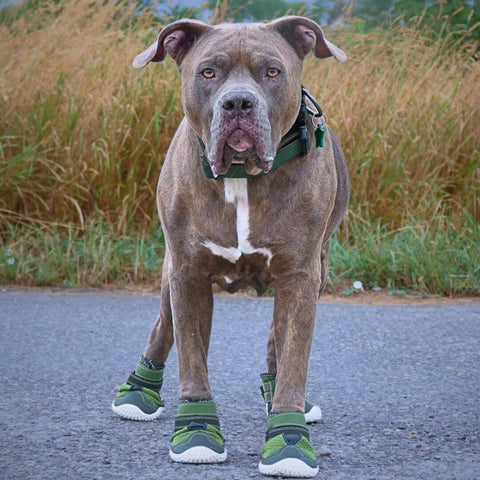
305,35
175,39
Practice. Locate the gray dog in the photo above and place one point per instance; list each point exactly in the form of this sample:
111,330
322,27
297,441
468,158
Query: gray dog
251,190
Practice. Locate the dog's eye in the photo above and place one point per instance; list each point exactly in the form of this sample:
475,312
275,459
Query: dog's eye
272,72
208,73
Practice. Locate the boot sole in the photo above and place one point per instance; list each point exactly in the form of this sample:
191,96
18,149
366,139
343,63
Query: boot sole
198,455
314,415
132,412
288,467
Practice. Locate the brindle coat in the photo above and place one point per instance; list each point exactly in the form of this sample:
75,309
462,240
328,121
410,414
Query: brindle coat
271,230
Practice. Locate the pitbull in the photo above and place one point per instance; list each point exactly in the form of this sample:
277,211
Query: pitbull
252,188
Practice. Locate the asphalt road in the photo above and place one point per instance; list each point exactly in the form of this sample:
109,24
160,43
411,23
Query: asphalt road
399,387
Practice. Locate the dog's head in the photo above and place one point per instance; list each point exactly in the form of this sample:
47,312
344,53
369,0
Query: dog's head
241,83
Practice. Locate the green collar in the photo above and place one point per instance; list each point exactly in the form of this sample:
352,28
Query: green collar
296,142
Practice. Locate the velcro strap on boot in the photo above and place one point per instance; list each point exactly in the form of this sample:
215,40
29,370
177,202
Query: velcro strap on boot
291,423
197,413
146,377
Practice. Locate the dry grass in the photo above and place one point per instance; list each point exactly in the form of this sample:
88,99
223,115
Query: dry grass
407,111
83,135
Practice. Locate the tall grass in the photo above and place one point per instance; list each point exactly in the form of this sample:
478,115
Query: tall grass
82,132
406,107
83,136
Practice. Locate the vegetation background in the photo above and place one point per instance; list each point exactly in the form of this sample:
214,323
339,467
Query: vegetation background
83,136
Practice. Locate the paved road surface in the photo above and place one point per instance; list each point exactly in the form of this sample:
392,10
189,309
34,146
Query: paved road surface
399,387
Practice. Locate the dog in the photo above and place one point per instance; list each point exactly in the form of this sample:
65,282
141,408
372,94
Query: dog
252,188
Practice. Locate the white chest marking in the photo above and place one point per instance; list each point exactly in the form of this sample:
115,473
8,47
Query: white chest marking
236,192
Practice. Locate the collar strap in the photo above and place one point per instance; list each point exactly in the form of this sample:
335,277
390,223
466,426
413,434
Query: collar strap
296,142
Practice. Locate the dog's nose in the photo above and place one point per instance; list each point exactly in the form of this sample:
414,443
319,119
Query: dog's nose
238,103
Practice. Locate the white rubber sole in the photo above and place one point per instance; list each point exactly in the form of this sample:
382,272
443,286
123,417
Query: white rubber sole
288,467
314,415
132,412
198,455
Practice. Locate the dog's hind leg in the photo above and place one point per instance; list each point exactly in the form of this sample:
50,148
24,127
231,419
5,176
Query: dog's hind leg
161,337
139,398
271,355
324,265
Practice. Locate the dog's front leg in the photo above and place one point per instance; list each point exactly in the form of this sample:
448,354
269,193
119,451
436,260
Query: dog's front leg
294,318
197,437
313,412
287,446
192,307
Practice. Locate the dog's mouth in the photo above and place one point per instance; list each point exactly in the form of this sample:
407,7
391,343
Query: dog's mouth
240,141
241,147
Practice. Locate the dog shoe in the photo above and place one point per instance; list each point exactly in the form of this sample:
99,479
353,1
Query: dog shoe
287,451
139,398
313,413
198,443
134,402
197,437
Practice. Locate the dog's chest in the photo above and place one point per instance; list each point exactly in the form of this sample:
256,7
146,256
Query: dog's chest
236,194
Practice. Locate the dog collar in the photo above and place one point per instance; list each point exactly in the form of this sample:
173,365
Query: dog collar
296,142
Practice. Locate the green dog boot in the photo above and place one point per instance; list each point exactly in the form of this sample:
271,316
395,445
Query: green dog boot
139,398
197,437
313,413
287,451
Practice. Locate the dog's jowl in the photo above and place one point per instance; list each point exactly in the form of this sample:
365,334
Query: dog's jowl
253,186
